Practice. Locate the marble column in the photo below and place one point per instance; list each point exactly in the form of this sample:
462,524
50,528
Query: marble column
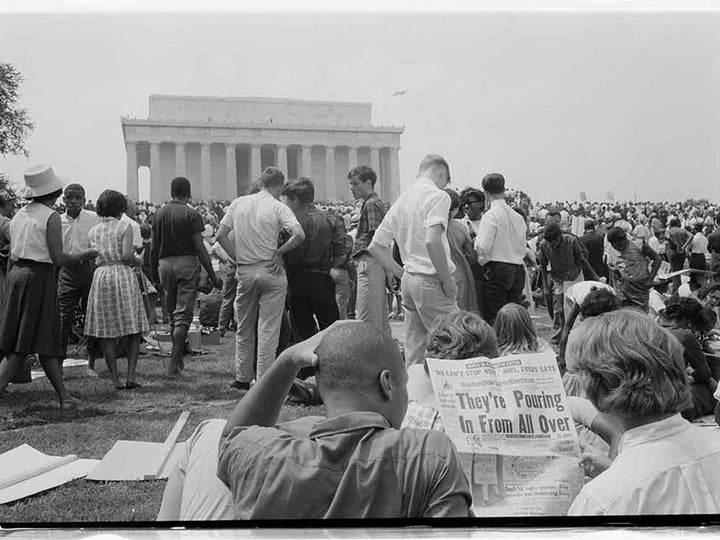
205,173
156,189
255,163
307,161
380,186
230,172
352,158
282,162
394,178
180,163
330,190
133,189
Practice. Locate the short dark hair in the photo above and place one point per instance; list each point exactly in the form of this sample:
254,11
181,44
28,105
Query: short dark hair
616,234
707,289
494,183
589,224
272,177
111,203
673,223
75,187
681,307
301,189
180,187
599,301
145,231
552,232
472,193
363,173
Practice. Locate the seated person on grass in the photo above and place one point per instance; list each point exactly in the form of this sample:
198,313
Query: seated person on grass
356,462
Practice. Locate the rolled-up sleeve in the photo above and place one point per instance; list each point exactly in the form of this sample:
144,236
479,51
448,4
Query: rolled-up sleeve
486,237
438,210
384,234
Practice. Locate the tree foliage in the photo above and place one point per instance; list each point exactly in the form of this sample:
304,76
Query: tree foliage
15,124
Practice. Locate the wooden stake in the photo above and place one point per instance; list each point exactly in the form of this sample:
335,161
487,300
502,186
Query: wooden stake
168,446
37,471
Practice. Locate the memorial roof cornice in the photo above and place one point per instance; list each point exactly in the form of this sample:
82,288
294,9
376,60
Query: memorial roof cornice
127,121
260,99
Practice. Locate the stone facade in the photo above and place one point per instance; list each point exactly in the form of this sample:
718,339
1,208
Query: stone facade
222,145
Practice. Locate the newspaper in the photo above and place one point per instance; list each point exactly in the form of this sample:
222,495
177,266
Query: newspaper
516,439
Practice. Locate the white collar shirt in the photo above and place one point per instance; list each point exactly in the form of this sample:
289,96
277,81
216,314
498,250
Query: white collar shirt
666,467
75,231
501,235
419,208
137,234
256,221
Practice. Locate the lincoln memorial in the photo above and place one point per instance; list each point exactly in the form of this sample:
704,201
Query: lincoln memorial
222,145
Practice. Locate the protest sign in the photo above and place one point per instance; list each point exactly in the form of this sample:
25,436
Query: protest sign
511,424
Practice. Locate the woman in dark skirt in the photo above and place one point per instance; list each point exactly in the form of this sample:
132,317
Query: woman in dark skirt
30,319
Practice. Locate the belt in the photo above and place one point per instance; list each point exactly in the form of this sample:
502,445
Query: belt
310,271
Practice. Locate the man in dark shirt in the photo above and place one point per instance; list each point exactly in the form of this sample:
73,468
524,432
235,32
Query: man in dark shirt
372,279
310,286
562,257
593,242
176,247
714,249
678,241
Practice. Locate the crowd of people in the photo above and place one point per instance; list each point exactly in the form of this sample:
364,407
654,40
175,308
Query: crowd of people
636,347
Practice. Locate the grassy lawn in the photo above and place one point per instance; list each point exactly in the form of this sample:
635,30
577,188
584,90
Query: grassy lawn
31,415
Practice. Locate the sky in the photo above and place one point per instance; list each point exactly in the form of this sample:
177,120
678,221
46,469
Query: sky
559,101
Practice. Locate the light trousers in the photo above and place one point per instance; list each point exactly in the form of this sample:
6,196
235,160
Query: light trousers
259,305
423,302
371,303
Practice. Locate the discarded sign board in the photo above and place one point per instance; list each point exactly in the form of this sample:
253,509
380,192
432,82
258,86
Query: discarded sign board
139,460
26,471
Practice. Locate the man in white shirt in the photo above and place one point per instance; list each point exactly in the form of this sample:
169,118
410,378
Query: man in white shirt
75,279
129,217
256,221
418,224
501,246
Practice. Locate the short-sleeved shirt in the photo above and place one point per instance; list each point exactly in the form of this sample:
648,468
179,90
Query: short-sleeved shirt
422,206
75,230
501,235
565,261
351,466
372,212
324,239
257,220
173,228
28,233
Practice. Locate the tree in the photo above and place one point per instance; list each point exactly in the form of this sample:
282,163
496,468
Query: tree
7,192
15,124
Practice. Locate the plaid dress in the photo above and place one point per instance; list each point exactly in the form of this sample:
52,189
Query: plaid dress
115,306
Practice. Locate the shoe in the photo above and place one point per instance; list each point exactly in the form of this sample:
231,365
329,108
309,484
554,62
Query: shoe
69,403
132,385
237,385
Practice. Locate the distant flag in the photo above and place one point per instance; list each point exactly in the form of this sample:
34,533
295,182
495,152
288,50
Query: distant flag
399,93
610,196
583,197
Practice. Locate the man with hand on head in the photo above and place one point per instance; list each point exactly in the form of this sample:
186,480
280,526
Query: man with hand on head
418,224
356,462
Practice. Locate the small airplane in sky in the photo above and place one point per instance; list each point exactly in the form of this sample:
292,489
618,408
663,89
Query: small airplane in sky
399,93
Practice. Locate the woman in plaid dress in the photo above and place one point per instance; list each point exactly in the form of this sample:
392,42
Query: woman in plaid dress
115,306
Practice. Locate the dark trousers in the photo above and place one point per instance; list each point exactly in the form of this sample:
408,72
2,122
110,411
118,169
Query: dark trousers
677,262
312,296
503,283
74,284
697,261
352,299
